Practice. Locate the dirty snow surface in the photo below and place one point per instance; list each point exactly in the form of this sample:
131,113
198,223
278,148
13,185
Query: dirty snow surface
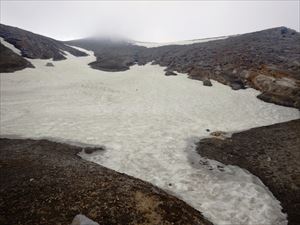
148,123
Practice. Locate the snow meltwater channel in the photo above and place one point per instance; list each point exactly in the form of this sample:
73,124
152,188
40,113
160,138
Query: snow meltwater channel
148,123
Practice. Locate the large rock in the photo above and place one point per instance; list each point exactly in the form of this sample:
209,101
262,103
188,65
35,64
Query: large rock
43,182
207,83
83,220
170,73
276,87
49,64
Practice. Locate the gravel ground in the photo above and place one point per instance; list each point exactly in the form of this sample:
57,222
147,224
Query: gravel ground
43,182
272,153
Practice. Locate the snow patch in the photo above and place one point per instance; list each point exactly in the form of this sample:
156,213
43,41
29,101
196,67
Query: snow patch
186,42
83,220
81,49
146,121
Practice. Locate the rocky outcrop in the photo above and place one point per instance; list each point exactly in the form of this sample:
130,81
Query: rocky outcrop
110,64
111,56
11,62
272,153
43,182
36,46
276,86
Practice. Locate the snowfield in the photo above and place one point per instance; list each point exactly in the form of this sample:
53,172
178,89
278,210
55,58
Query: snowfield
186,42
148,123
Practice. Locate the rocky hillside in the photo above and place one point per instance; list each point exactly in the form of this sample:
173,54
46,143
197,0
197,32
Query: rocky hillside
268,61
10,61
112,55
43,182
271,153
36,46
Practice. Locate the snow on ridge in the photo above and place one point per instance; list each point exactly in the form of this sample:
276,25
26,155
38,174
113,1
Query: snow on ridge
65,53
10,46
81,49
186,42
146,121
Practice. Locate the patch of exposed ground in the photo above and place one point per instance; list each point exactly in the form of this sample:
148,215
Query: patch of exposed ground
272,153
43,182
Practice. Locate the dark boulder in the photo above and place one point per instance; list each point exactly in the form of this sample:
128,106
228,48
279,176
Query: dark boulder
237,85
207,83
49,64
170,73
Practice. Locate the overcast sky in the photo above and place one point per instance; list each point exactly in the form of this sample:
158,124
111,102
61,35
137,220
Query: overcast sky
156,21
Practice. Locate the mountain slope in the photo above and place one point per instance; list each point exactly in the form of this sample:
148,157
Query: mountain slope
10,61
36,46
111,55
267,60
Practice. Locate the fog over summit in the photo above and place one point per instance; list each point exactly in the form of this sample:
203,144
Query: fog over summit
158,21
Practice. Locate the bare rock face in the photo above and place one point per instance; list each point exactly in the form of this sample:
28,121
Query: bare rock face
272,153
276,86
46,183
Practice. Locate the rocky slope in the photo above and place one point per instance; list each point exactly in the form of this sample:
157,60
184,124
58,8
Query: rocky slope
112,55
43,182
267,60
36,46
272,153
10,61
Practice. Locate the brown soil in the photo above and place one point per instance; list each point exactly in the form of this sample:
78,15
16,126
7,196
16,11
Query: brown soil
43,182
272,153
